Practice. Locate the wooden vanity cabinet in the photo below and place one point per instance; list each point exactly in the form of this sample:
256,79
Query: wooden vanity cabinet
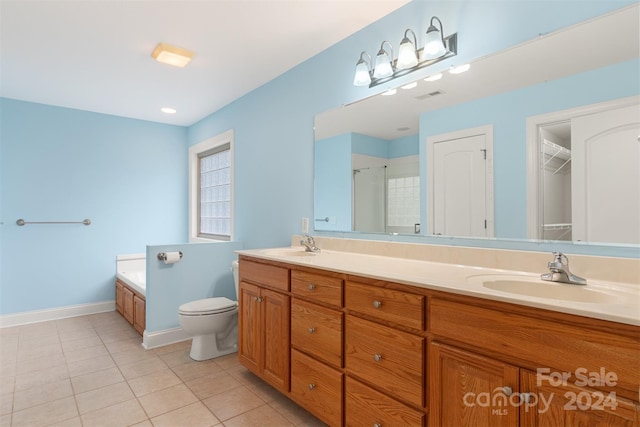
263,322
359,351
131,305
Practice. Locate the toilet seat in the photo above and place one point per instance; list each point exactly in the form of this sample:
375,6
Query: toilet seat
207,306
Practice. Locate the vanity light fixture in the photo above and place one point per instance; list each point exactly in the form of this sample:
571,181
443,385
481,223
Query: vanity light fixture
363,71
410,57
434,46
408,52
172,55
384,66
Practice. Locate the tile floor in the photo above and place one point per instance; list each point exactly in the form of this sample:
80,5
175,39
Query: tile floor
92,371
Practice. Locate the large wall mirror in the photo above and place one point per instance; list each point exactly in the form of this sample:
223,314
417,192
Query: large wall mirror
373,172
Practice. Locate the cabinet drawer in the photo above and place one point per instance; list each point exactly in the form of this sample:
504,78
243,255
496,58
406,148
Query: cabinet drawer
264,274
386,358
317,387
317,331
367,407
400,307
317,286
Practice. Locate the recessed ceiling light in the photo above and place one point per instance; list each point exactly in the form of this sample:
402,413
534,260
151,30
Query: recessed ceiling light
389,92
433,78
172,55
459,69
409,86
168,110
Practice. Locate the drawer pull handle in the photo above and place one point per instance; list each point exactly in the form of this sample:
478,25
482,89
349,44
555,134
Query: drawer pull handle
377,425
258,299
508,391
312,330
377,357
311,286
312,386
377,304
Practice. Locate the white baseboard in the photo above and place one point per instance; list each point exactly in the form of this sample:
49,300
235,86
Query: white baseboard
168,336
26,317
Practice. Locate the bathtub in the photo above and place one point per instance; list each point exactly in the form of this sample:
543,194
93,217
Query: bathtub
132,270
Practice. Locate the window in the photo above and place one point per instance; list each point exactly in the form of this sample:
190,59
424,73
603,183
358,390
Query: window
211,189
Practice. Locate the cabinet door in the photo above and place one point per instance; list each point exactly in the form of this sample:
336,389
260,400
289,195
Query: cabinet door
275,341
547,402
468,389
119,298
127,304
139,314
249,329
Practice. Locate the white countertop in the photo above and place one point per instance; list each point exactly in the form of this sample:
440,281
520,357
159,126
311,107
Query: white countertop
617,302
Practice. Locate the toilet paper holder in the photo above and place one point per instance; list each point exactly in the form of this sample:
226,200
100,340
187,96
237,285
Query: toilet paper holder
162,256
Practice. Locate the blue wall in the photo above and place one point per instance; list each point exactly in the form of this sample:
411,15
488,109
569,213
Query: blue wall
333,167
128,176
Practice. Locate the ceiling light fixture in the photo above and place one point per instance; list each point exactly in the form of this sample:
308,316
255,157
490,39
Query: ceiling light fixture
459,69
409,86
410,58
433,78
172,55
168,110
389,92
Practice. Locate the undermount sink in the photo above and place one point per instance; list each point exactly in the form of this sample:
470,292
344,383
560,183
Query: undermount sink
289,252
535,287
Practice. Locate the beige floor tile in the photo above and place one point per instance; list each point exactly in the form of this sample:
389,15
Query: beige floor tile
39,363
145,423
38,395
210,385
193,370
176,358
228,362
119,335
81,343
76,334
122,414
173,347
7,384
103,397
39,378
141,368
85,353
243,375
6,403
167,400
294,413
72,422
232,403
264,391
130,356
35,330
259,417
96,380
5,420
80,322
38,341
39,351
46,414
7,369
88,366
105,318
124,345
194,415
154,382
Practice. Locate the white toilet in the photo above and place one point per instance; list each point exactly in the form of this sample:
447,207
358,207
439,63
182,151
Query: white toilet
213,323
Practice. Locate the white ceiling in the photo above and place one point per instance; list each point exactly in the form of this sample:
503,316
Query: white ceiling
96,55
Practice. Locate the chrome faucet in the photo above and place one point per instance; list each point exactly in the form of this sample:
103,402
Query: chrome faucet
559,268
309,244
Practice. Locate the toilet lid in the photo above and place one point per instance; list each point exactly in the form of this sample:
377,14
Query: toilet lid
207,306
